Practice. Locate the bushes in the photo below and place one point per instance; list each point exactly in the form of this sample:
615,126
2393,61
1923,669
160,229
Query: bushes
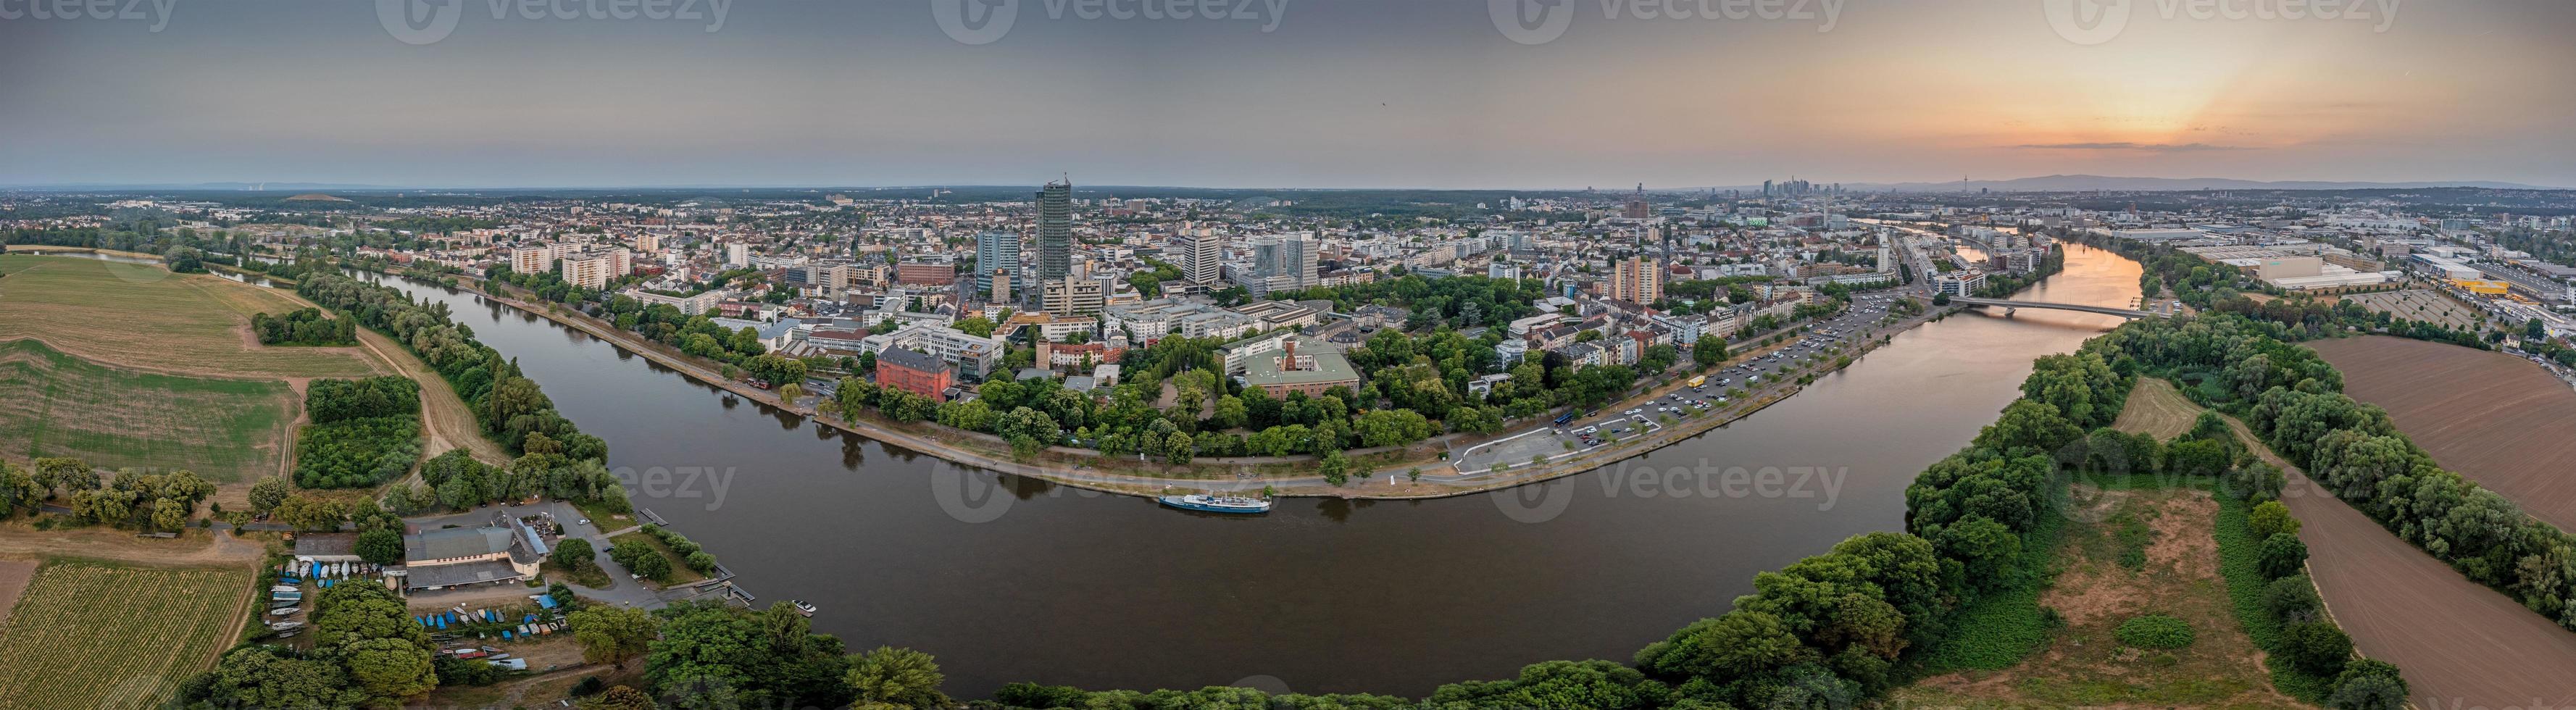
2271,518
2315,647
355,453
2368,684
640,558
384,547
2282,555
330,401
688,550
2292,598
2155,631
304,326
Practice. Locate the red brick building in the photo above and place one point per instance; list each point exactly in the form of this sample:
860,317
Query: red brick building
912,274
914,372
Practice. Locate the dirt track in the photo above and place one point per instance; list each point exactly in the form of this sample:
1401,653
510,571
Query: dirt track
2493,418
2460,645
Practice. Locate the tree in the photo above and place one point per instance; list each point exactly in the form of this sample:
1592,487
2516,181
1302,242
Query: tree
384,547
1739,644
611,634
2367,684
389,667
1335,467
2292,598
2315,647
901,677
309,513
2281,555
2270,518
977,326
268,493
1709,352
574,555
619,698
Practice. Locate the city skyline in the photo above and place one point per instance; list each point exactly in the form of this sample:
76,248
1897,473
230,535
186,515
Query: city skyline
1330,95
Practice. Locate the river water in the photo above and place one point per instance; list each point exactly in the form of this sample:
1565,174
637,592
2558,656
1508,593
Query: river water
1008,579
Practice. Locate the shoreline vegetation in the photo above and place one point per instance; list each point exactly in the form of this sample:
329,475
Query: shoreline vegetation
1091,470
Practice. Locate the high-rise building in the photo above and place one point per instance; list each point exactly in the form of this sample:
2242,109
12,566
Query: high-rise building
1055,230
1198,252
1636,280
1073,296
533,259
997,258
590,271
737,254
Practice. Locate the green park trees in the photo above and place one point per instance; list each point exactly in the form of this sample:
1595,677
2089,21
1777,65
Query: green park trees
611,634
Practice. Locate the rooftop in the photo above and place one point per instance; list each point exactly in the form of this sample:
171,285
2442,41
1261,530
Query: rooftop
452,543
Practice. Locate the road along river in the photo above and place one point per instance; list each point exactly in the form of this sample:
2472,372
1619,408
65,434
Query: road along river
1007,578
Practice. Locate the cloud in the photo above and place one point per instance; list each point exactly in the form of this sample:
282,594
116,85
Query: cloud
2124,145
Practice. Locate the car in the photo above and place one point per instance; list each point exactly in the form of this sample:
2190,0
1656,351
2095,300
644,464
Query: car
1633,411
585,521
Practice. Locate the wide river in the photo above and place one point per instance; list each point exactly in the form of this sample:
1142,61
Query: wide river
1050,584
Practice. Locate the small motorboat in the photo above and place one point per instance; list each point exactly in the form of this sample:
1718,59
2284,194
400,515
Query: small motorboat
288,611
802,607
286,626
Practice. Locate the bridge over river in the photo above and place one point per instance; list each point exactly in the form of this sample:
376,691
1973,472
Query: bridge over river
2009,306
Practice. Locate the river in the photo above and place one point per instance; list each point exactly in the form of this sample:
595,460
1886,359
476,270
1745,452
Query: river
1054,585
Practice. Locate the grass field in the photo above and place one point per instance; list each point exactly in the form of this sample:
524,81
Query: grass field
144,317
99,635
53,404
2156,408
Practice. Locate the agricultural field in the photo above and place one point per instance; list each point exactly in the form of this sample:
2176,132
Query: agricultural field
2126,554
2157,409
143,317
2459,644
2420,305
67,647
2493,418
53,404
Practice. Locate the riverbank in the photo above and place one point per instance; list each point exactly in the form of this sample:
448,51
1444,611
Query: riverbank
1388,479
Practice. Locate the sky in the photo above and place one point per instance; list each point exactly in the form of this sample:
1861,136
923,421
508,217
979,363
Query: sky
1509,94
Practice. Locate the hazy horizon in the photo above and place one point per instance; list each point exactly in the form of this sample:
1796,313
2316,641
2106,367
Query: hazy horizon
1304,94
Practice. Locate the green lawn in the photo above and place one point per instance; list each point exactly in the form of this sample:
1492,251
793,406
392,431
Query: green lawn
53,404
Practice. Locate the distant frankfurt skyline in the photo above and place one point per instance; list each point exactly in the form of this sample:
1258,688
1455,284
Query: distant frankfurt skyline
1437,94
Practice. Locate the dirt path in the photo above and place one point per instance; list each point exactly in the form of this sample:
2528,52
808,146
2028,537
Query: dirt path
2459,644
195,548
14,576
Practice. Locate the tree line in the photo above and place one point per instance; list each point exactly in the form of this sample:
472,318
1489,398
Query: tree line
303,326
